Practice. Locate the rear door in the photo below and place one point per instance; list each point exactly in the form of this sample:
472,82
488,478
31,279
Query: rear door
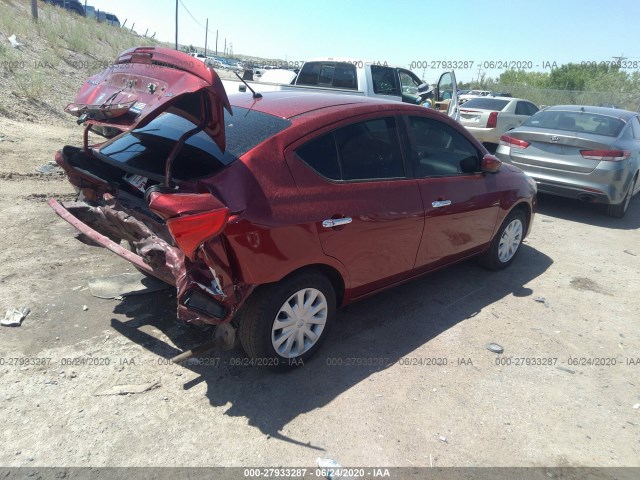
461,203
367,212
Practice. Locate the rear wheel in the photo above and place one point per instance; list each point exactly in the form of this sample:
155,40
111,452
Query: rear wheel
506,243
282,325
619,210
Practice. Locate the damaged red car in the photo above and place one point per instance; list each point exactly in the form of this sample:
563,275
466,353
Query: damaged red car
269,212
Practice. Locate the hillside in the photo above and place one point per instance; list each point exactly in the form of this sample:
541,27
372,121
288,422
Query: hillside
57,54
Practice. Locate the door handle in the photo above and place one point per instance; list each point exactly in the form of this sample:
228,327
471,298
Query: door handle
441,203
336,222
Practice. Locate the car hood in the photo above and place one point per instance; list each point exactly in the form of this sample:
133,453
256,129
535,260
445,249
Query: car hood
142,83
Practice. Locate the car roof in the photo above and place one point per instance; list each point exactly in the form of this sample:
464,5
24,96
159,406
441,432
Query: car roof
288,104
624,115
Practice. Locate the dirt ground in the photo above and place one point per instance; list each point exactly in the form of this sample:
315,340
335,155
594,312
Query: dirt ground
369,397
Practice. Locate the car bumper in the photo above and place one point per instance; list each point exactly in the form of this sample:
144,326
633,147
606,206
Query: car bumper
485,135
200,300
606,184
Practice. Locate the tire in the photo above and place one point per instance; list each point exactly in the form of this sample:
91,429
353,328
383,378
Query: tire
506,243
619,210
272,347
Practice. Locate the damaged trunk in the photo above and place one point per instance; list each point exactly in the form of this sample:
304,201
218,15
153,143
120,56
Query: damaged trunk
139,193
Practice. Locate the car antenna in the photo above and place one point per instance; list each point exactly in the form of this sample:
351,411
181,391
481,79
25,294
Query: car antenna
255,94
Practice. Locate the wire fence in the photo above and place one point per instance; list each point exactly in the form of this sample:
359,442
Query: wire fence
548,97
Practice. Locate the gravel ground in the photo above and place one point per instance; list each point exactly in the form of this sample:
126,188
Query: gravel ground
405,378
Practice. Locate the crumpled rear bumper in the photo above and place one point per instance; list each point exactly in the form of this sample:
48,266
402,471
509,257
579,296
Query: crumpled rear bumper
206,293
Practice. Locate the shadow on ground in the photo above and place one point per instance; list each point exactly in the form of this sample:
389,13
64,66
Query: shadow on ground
589,213
389,325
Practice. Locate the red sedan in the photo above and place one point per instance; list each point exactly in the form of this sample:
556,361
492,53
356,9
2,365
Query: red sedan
267,213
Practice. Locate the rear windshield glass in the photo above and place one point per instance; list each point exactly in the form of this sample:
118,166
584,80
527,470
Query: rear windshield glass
328,74
576,122
486,104
144,151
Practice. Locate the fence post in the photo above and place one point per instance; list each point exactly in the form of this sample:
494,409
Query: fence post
34,10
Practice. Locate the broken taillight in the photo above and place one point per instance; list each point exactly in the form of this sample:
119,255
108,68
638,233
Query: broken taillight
192,218
191,231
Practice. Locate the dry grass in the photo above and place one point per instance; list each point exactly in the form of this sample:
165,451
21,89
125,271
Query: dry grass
45,69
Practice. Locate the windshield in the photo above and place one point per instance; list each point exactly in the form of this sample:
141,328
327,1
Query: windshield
144,151
576,122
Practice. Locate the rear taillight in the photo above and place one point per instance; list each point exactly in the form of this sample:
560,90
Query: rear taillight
191,231
492,121
513,142
192,218
608,155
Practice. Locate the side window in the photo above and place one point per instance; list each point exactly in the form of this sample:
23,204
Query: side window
360,151
532,108
321,155
636,128
369,150
437,149
408,82
328,74
522,108
384,80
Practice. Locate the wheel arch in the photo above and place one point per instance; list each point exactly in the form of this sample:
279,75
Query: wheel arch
331,273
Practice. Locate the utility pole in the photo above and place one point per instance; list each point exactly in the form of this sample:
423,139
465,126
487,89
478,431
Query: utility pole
206,37
176,24
216,43
225,47
34,10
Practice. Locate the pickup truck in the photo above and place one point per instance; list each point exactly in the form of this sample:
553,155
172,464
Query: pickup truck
354,77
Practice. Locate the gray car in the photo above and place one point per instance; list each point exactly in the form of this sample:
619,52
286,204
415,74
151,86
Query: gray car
588,153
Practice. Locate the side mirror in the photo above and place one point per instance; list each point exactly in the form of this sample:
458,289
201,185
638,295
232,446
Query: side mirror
242,88
490,164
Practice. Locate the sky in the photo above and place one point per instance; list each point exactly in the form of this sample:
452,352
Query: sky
409,33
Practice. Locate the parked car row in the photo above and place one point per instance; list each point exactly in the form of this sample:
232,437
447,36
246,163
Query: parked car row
269,212
86,11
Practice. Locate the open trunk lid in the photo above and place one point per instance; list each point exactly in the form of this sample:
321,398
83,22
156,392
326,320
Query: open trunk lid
141,84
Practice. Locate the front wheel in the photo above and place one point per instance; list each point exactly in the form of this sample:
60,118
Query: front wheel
283,325
506,243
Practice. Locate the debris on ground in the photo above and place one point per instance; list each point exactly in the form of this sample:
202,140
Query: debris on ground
330,465
540,299
50,169
85,308
442,438
495,348
636,406
14,41
568,370
630,253
128,389
124,284
15,316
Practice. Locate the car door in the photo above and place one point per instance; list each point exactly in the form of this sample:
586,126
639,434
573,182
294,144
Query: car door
367,212
461,203
446,93
409,84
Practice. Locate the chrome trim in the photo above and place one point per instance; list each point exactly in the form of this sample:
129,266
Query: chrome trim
336,222
441,203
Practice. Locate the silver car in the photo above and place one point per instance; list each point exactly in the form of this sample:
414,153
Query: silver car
588,153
